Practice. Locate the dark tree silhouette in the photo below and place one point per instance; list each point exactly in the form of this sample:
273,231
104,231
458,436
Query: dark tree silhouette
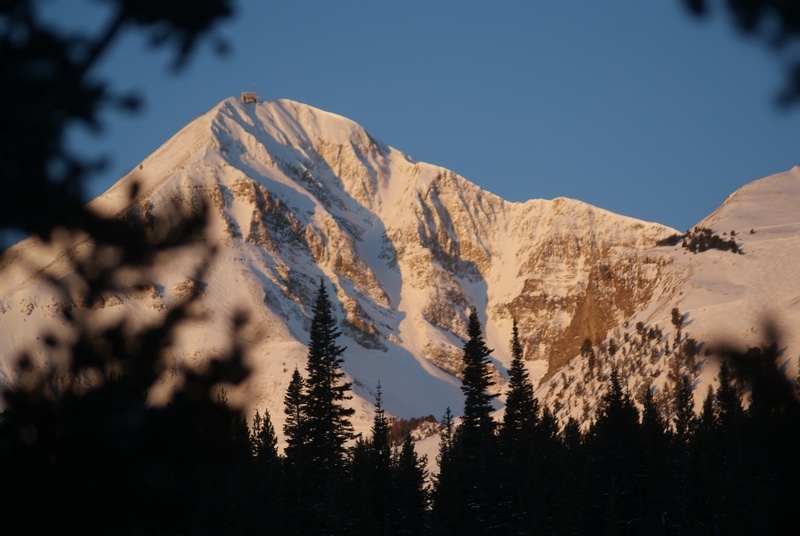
263,441
727,400
381,448
516,437
757,447
51,85
774,22
81,450
372,476
615,454
260,489
326,418
522,408
410,509
446,491
317,428
469,473
476,381
295,429
684,419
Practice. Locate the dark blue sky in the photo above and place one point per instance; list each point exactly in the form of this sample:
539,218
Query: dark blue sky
631,106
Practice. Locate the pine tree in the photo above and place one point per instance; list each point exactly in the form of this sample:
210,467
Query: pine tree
263,441
320,425
617,414
731,444
516,439
477,456
655,486
379,474
296,494
677,321
684,419
653,426
447,488
381,448
684,426
409,516
446,438
359,489
615,451
264,478
476,381
707,423
704,470
522,408
295,428
326,419
728,403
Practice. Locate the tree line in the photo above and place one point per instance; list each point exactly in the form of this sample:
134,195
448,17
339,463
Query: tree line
99,458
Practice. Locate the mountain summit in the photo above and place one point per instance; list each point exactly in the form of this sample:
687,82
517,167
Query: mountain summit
298,195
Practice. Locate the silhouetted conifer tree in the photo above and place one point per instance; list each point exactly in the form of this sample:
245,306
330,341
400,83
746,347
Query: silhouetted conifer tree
522,408
263,441
372,477
358,489
516,437
298,482
326,418
684,419
317,428
656,480
681,517
476,451
546,474
295,428
409,511
381,448
615,449
703,469
261,489
447,489
475,383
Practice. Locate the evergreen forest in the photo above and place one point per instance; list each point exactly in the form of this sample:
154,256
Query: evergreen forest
100,458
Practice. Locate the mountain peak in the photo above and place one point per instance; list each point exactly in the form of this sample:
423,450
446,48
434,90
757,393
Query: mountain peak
296,194
293,119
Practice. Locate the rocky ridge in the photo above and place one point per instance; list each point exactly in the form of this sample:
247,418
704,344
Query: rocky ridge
298,194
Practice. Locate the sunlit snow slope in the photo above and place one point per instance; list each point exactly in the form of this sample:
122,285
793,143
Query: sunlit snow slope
724,298
299,195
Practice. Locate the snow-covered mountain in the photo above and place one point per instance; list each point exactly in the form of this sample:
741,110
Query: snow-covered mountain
725,297
407,248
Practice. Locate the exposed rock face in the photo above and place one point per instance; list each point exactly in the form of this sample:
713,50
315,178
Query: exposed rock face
297,194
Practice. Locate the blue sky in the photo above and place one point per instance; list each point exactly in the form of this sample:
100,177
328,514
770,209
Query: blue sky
631,106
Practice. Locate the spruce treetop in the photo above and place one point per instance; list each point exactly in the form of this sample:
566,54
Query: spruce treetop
380,431
477,378
522,408
328,421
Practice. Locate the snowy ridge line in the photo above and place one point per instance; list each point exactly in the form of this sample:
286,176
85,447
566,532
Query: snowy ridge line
296,194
